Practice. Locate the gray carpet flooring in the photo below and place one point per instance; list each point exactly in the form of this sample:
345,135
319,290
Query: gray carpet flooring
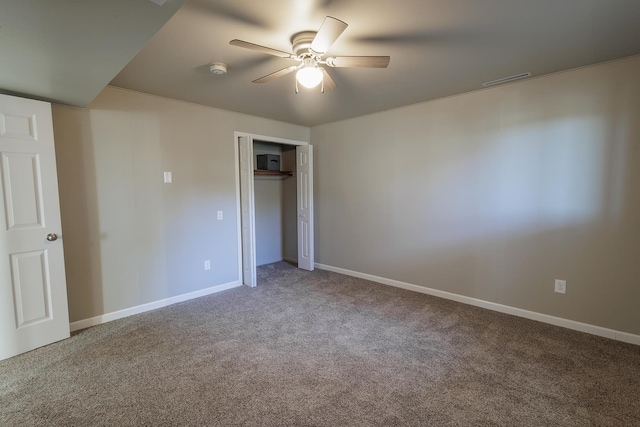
322,349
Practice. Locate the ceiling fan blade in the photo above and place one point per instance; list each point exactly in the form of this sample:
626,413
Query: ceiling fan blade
359,61
276,74
327,82
263,49
328,33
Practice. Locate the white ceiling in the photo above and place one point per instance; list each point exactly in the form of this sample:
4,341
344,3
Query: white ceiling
68,50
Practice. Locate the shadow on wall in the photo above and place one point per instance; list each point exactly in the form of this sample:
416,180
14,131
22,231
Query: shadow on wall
564,173
130,238
528,205
79,211
493,195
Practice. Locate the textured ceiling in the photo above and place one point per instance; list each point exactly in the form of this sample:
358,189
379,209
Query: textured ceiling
437,48
68,50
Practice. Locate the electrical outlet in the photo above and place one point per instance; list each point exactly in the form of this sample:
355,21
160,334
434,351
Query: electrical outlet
207,265
219,214
561,286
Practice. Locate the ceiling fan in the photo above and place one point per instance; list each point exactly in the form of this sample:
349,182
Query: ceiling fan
309,47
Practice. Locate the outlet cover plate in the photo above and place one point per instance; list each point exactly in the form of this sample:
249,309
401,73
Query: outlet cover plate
561,286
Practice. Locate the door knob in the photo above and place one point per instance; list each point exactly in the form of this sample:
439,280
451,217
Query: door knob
52,236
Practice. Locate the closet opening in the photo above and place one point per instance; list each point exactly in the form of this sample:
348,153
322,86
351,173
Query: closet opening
275,202
274,187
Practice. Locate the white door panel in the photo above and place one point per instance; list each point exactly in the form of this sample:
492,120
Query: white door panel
31,289
247,214
22,190
304,168
33,295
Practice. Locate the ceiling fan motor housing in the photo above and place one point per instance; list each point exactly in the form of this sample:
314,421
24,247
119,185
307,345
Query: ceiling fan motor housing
301,42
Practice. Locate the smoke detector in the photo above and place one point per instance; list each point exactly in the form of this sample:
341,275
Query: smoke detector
218,68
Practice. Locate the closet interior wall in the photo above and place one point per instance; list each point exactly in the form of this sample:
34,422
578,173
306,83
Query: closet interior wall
275,207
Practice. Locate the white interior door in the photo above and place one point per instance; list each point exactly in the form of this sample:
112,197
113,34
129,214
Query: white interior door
33,293
247,214
304,168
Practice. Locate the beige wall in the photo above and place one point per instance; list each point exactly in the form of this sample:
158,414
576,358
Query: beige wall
491,195
130,239
496,193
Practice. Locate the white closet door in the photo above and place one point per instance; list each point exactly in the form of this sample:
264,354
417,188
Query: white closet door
247,214
304,168
33,289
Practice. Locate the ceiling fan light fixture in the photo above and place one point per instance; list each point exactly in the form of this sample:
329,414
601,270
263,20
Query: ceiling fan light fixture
309,75
309,48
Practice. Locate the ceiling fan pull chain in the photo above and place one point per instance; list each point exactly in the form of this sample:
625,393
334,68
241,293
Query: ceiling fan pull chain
296,86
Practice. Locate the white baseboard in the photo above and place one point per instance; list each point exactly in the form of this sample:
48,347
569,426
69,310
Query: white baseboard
108,317
545,318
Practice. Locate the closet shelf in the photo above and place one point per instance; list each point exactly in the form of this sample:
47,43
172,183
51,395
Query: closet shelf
264,172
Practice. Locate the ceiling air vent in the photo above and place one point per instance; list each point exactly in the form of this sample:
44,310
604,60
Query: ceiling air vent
507,79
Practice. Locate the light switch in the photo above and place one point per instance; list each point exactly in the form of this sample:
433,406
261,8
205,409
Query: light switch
168,178
219,214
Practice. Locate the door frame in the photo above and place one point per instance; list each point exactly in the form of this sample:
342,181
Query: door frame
236,146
